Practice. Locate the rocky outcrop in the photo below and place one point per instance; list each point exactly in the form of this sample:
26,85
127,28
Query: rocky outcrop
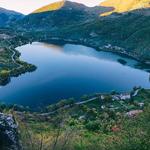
8,133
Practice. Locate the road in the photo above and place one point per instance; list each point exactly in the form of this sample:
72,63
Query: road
84,102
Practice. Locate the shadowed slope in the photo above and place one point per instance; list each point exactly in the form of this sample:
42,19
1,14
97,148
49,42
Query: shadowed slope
8,16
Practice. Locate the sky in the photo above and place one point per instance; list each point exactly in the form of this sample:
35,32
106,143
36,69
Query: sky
28,6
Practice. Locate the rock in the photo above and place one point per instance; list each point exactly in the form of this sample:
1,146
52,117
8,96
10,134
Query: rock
8,133
134,113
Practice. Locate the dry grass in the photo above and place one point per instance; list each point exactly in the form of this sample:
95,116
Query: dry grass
121,6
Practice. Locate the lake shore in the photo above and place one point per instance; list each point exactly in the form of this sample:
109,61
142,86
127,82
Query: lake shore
21,66
72,71
106,48
28,39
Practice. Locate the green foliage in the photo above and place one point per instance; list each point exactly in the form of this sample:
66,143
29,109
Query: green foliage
93,125
85,128
108,99
4,74
10,65
60,104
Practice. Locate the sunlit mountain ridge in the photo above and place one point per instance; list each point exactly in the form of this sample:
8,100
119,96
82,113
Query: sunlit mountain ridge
51,7
121,6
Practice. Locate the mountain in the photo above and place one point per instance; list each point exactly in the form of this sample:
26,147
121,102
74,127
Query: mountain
51,7
8,16
130,31
127,32
59,14
121,6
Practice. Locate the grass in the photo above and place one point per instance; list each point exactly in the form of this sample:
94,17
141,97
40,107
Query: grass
86,127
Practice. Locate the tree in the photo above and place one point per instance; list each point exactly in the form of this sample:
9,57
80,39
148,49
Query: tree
93,125
4,74
108,99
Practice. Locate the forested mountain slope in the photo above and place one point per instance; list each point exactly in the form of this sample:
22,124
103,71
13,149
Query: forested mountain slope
127,27
60,14
8,16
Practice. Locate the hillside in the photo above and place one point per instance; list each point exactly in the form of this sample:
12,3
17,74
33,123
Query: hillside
130,31
127,33
60,14
10,64
8,16
77,23
105,124
51,7
121,6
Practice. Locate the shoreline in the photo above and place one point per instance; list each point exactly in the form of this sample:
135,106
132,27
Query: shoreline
23,67
16,54
90,98
105,48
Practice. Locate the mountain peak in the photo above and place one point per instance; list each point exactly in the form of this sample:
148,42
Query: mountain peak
51,7
122,6
65,4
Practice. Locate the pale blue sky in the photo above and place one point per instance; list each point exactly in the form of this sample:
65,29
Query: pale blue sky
27,6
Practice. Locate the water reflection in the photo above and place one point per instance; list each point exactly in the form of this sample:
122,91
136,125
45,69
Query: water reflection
68,70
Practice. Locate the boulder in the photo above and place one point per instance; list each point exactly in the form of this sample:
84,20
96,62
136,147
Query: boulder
8,133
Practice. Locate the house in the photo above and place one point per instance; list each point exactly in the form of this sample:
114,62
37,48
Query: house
102,97
125,96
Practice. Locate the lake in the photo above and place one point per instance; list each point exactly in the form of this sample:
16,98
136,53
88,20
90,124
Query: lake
68,70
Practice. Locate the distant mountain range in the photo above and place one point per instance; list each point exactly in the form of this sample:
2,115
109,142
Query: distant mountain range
60,14
8,16
124,25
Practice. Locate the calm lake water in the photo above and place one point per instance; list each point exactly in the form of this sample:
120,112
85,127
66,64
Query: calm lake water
70,71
